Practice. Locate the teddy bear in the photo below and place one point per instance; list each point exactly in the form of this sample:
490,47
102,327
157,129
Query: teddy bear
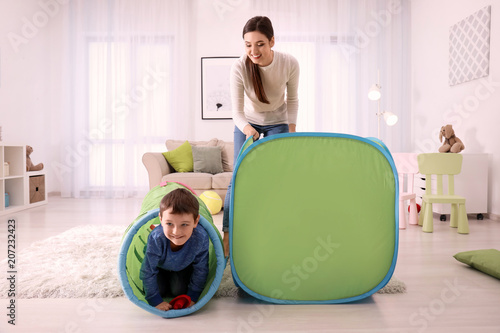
451,143
29,165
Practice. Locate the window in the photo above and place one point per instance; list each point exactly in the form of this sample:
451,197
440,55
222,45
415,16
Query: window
322,72
128,107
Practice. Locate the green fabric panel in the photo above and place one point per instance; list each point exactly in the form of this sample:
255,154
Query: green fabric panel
248,142
313,212
135,253
135,256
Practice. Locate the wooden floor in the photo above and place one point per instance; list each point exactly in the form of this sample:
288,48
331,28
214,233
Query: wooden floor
443,295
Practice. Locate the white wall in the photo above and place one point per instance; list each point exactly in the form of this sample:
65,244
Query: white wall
30,71
29,78
29,75
218,33
473,108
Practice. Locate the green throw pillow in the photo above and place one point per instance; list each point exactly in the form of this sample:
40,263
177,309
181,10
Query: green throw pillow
486,261
181,158
207,159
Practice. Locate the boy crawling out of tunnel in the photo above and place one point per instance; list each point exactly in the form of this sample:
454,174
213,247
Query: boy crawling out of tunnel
176,257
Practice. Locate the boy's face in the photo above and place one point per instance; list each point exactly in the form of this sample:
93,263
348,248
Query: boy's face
178,228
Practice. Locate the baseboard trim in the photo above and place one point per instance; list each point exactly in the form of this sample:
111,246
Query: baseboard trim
493,217
488,216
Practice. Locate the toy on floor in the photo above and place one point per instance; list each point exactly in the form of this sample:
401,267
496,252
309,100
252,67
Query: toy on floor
133,247
180,302
418,208
451,143
314,218
212,200
29,164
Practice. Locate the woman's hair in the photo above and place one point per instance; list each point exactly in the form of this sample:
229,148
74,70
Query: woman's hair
180,201
263,25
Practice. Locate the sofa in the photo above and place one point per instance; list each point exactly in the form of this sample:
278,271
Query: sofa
160,170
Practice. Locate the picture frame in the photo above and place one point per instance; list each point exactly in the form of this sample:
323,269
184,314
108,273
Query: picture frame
469,47
215,91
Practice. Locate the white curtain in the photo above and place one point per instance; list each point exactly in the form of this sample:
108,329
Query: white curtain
128,65
120,58
341,45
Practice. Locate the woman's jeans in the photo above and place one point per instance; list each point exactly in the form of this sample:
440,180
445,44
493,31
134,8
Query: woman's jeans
239,140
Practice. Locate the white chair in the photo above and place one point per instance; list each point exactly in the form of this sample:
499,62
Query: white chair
407,166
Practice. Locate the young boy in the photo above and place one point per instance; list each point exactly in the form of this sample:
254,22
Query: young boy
176,258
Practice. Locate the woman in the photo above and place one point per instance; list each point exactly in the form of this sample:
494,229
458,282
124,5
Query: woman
264,98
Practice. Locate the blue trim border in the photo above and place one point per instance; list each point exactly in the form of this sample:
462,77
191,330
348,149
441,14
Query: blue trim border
122,269
379,145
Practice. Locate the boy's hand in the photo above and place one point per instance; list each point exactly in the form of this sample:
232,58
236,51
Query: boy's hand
163,306
192,303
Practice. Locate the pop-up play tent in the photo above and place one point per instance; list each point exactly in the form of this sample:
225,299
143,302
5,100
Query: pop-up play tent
134,243
314,218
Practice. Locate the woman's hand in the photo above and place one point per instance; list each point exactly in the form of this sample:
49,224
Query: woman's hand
225,242
292,128
250,131
164,306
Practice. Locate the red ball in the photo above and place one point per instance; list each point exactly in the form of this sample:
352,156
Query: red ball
418,208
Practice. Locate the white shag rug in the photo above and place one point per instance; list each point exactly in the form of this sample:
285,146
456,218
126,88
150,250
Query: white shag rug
79,263
83,263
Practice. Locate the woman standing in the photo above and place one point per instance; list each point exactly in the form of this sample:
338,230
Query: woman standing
264,98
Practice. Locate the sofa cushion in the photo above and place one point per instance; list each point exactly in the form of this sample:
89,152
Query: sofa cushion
207,159
180,158
173,144
486,261
227,149
221,181
195,180
227,155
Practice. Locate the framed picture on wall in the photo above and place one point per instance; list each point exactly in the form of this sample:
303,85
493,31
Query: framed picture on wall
215,93
469,47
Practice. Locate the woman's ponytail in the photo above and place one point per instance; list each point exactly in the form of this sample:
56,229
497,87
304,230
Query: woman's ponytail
254,73
263,25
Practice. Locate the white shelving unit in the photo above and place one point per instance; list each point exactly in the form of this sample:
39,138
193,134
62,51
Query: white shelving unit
17,182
